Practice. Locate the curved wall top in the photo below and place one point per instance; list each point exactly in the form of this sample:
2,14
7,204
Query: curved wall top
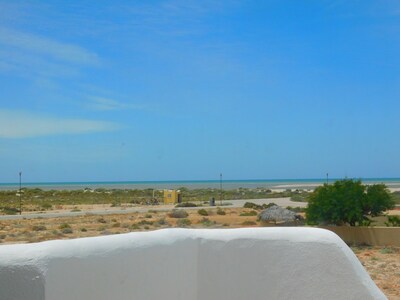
187,264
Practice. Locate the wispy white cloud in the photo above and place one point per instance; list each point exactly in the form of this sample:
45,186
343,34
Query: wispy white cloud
106,104
31,56
21,124
28,65
47,47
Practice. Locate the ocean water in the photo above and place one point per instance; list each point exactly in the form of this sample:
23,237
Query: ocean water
192,184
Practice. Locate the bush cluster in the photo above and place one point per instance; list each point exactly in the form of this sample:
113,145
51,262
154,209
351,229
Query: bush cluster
249,213
186,204
178,213
220,212
257,206
347,201
202,212
183,222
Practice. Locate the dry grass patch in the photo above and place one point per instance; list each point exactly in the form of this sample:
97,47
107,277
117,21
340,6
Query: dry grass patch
382,263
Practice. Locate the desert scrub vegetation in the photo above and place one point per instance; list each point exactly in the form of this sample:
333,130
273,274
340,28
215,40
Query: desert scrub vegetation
202,212
186,204
101,220
207,222
9,210
178,213
204,195
39,228
161,222
299,196
64,225
135,226
249,213
296,209
249,223
46,199
67,231
145,222
183,223
257,206
46,206
393,221
387,250
65,228
220,212
38,199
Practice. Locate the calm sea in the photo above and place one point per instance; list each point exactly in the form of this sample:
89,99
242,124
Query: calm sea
194,184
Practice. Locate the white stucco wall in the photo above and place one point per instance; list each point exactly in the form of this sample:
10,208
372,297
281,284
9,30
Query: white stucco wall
187,264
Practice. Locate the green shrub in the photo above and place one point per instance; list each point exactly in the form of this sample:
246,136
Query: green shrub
347,201
298,198
393,221
186,204
258,207
145,222
183,223
178,213
64,225
296,209
67,230
387,250
249,213
161,222
148,216
46,206
39,228
221,212
249,223
83,229
202,212
101,220
102,228
10,210
135,227
207,222
252,205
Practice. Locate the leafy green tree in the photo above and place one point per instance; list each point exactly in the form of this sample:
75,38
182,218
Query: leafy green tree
347,201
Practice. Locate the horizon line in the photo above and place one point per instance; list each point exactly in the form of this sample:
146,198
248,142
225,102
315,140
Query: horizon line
195,181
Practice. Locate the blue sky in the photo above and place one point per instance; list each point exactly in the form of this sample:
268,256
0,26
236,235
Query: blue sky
184,90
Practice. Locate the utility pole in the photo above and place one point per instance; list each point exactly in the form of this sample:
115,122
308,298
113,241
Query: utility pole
220,189
327,178
20,195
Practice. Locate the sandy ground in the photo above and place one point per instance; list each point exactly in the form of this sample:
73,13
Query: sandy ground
383,264
103,209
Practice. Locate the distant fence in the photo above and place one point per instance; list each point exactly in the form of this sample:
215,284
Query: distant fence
374,236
